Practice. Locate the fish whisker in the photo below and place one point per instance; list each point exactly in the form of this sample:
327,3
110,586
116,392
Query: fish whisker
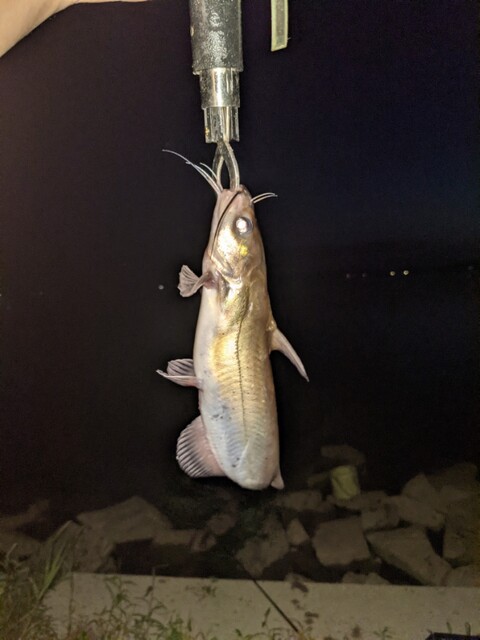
263,196
214,175
200,170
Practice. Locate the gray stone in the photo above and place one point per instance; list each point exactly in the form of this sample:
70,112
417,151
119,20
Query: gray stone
299,501
263,550
86,550
320,481
468,576
365,500
343,454
172,548
461,531
338,543
419,513
410,551
454,546
220,523
297,581
294,578
17,545
203,541
383,517
174,537
129,521
461,476
374,578
421,489
360,578
33,513
449,495
296,533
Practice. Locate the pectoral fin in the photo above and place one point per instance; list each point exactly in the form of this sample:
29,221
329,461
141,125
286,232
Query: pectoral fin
194,454
181,372
280,343
189,283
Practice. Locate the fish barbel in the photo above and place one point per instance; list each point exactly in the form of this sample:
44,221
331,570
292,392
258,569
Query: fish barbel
236,434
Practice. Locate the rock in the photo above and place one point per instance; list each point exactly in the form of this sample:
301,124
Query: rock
419,513
299,501
86,550
343,454
263,550
172,549
17,545
410,551
385,516
320,481
468,576
297,581
450,494
296,533
456,484
360,578
345,483
203,541
461,476
461,531
174,537
365,500
454,547
220,523
293,577
129,521
338,543
192,509
374,578
34,513
421,489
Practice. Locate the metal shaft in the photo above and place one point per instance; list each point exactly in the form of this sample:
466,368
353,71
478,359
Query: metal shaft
216,33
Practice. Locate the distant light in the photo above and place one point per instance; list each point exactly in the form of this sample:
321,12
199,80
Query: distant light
392,273
471,267
406,272
364,275
161,287
348,276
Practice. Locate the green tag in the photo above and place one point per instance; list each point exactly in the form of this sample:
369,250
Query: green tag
279,24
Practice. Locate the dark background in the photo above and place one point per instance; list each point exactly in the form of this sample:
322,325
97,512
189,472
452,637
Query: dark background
365,126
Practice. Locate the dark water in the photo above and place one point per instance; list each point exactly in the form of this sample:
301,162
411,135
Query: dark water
366,126
393,366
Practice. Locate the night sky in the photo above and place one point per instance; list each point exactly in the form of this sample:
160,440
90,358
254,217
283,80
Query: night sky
366,126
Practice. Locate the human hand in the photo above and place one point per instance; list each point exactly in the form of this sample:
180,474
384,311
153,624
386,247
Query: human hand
19,17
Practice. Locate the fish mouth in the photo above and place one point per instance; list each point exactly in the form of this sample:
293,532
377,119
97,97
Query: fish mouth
227,199
220,215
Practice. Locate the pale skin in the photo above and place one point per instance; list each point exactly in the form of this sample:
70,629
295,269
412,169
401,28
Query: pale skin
19,17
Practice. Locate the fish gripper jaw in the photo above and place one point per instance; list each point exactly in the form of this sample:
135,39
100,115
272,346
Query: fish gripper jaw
225,154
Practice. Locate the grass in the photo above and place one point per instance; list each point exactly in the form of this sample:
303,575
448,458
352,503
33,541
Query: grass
25,616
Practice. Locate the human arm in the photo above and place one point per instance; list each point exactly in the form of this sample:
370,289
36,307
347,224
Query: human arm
19,17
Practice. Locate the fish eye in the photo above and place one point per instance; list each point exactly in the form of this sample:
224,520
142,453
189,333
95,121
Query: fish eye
244,226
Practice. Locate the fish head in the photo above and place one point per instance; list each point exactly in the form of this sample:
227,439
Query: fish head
235,245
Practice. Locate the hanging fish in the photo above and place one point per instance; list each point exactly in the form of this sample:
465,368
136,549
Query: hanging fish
236,433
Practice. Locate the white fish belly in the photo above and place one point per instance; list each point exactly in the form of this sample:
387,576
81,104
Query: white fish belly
237,400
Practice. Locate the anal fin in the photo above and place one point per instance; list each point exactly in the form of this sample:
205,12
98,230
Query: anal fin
194,454
280,343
